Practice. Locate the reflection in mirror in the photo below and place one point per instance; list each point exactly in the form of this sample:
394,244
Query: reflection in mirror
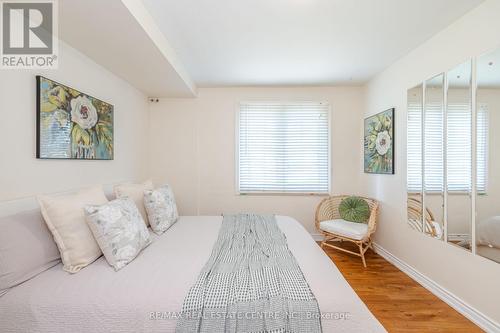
487,161
414,157
434,157
459,156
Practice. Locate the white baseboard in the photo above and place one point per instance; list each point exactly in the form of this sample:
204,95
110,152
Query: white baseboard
465,309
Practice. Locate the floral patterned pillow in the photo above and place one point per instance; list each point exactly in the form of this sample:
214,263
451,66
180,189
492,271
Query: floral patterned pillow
119,230
161,208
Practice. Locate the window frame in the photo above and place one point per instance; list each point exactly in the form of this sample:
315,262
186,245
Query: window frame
238,192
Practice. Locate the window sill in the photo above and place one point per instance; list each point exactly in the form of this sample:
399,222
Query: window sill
449,193
296,194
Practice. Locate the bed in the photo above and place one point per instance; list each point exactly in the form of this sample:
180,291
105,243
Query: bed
145,295
488,238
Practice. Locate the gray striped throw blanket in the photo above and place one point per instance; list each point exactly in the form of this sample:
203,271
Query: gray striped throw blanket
251,283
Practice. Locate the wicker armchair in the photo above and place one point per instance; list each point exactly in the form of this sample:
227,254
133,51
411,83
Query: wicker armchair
414,206
328,209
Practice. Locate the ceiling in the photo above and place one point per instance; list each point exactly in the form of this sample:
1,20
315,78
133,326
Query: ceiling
297,42
121,36
487,73
488,70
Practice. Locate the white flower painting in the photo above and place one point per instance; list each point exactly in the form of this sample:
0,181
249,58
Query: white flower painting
379,143
71,124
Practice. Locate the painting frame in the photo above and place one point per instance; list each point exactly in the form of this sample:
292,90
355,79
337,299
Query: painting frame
101,131
379,154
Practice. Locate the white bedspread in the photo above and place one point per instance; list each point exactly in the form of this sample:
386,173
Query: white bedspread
140,297
488,232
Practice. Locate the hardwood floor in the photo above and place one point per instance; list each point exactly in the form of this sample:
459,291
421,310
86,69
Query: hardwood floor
398,302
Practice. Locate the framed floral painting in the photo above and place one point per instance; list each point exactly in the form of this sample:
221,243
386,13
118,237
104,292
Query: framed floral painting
379,143
71,124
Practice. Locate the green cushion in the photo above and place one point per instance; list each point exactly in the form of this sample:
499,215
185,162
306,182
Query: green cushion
354,209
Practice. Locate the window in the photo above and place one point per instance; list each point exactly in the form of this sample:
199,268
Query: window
458,150
283,147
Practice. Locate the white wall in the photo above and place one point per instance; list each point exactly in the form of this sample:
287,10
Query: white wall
193,148
21,174
472,278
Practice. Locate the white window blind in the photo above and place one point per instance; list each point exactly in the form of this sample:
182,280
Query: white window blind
458,149
482,148
414,147
283,147
434,148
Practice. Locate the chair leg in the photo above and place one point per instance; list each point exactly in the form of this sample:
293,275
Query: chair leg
360,244
362,253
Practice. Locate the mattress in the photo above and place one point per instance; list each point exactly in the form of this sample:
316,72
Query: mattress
488,232
492,253
146,295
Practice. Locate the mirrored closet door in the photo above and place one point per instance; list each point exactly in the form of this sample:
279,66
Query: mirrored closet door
434,157
487,159
425,157
414,157
453,169
459,156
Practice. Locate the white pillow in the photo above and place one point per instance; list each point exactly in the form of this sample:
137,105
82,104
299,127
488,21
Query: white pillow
119,230
27,248
136,193
65,218
161,208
